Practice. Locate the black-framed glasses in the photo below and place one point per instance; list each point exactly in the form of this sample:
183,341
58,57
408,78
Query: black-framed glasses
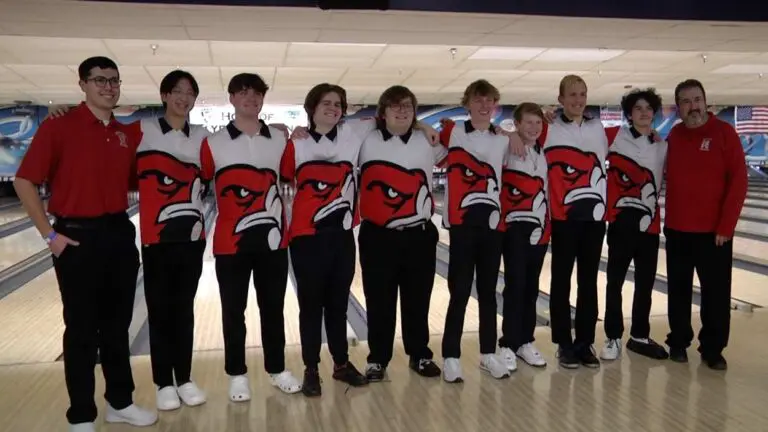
102,81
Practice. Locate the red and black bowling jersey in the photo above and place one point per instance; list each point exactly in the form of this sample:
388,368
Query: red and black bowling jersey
396,178
244,170
473,165
635,171
576,160
524,195
170,184
324,169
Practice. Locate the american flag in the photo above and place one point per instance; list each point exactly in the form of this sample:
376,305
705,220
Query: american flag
751,120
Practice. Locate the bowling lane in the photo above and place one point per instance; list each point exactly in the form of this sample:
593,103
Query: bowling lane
12,214
747,286
208,330
741,225
755,213
19,246
31,325
659,300
437,308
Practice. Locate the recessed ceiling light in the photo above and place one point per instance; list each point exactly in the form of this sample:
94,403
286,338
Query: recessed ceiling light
50,102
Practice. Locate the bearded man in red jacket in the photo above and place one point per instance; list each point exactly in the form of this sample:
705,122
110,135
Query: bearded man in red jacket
706,188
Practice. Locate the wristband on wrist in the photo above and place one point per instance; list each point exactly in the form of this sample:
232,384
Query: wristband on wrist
49,238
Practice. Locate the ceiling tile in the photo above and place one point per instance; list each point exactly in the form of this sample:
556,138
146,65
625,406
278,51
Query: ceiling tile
231,32
139,52
51,51
399,37
394,21
380,77
333,55
423,55
47,76
248,53
286,77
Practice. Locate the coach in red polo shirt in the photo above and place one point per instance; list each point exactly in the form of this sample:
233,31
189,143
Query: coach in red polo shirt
87,157
706,187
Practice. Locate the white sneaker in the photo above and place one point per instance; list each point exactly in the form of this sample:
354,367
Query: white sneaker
167,399
133,415
286,382
494,366
531,355
82,427
611,350
191,394
509,359
239,388
452,370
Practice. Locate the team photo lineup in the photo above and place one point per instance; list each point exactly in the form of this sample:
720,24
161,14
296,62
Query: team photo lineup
307,204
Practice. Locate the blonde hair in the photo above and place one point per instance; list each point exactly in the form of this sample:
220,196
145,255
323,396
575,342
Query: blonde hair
570,80
480,88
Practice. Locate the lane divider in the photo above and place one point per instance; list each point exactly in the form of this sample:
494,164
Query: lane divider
19,274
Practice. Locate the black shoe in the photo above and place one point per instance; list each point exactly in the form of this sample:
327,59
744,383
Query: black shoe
650,349
348,373
715,362
311,385
586,356
567,358
425,367
678,355
375,372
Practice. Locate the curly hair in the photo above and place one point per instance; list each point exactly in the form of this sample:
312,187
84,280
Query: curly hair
629,100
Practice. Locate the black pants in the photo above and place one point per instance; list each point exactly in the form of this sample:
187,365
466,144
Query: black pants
390,259
626,244
472,250
97,280
522,269
713,264
324,266
270,277
171,275
579,242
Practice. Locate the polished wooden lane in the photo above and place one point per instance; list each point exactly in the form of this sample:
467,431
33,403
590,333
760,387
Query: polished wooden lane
632,394
31,322
208,325
438,306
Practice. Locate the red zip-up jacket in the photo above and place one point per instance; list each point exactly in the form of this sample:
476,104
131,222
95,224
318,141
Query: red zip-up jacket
706,178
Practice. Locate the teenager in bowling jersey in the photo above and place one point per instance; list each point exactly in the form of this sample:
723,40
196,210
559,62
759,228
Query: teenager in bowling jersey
243,161
321,166
476,156
397,237
636,163
526,223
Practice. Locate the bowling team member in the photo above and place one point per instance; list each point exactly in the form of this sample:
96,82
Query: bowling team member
706,188
243,161
636,164
526,224
322,244
172,236
88,159
397,238
575,147
476,156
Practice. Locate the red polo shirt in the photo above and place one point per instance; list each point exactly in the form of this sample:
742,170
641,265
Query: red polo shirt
87,164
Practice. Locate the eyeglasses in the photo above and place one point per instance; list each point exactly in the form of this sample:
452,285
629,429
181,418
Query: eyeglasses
102,81
404,107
